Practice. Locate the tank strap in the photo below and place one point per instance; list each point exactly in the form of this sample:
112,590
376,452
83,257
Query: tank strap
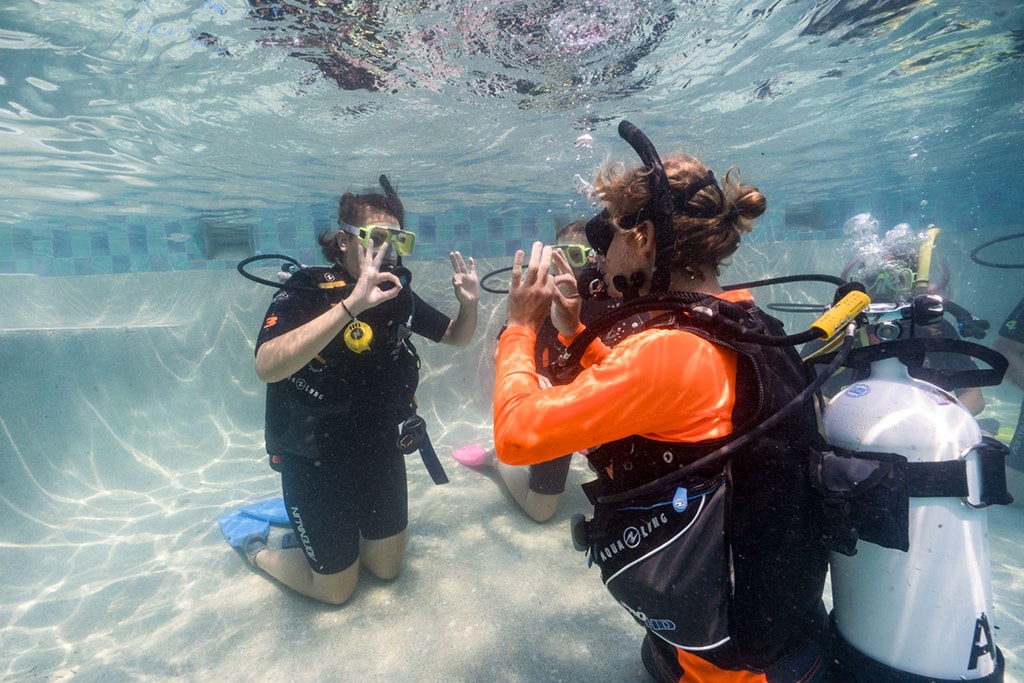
948,479
913,353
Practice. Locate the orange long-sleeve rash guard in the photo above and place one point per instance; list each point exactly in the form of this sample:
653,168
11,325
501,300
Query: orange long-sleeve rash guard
667,385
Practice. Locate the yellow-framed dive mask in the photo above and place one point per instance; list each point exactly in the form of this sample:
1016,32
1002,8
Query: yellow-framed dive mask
575,254
375,236
892,283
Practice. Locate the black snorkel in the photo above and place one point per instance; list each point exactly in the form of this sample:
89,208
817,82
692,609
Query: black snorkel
398,211
660,210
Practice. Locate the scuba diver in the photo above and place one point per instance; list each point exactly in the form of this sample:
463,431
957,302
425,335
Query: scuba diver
718,506
723,566
895,268
1010,337
538,488
336,352
1010,342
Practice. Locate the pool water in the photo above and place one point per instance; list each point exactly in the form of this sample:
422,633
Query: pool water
147,147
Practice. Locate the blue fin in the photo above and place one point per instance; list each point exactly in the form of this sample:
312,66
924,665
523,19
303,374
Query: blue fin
236,526
271,510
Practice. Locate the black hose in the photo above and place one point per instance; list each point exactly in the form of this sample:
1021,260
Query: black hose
265,257
717,457
797,308
990,264
809,277
485,278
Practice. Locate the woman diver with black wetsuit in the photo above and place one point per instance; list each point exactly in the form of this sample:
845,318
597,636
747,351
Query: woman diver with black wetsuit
336,353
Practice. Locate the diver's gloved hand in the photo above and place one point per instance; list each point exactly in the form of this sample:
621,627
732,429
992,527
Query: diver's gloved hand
972,327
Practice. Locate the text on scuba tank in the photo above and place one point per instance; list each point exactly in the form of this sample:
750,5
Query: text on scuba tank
982,644
632,536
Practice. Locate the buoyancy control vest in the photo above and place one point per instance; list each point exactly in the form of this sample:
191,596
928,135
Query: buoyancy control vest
728,561
342,389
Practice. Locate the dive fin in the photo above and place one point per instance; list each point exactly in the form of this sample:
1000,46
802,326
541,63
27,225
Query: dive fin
271,510
237,526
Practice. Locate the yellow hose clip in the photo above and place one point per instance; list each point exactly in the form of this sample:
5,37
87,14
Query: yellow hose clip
841,314
358,336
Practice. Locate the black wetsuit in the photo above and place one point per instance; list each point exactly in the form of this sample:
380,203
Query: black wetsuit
1013,328
333,425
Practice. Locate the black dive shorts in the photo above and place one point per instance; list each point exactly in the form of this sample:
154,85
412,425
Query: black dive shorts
549,477
360,492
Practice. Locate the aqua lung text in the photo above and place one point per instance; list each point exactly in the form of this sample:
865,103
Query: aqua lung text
632,537
652,624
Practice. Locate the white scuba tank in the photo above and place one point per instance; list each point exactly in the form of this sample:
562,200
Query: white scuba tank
927,611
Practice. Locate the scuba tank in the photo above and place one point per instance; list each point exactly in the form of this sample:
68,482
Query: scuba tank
920,610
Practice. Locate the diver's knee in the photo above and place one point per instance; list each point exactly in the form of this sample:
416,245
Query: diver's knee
541,507
387,573
385,557
336,589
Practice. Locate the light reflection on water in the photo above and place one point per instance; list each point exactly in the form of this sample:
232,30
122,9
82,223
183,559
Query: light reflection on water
166,109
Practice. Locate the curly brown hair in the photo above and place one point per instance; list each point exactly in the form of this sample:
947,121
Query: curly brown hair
707,225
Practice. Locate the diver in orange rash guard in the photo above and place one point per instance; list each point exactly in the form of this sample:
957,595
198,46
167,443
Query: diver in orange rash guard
662,398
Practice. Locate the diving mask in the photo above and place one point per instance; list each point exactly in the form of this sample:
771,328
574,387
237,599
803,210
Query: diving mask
575,254
893,283
600,232
376,236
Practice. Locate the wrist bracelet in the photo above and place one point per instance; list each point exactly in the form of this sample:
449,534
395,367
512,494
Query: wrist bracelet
345,308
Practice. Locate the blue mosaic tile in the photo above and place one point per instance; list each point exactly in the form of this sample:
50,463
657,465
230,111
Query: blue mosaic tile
21,242
140,263
118,243
100,244
444,234
137,243
82,265
140,243
121,263
178,261
102,264
529,228
64,266
47,268
426,229
495,228
81,243
61,246
175,247
159,263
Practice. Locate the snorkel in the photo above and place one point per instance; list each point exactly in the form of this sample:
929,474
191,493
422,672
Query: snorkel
394,203
398,210
660,209
924,261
